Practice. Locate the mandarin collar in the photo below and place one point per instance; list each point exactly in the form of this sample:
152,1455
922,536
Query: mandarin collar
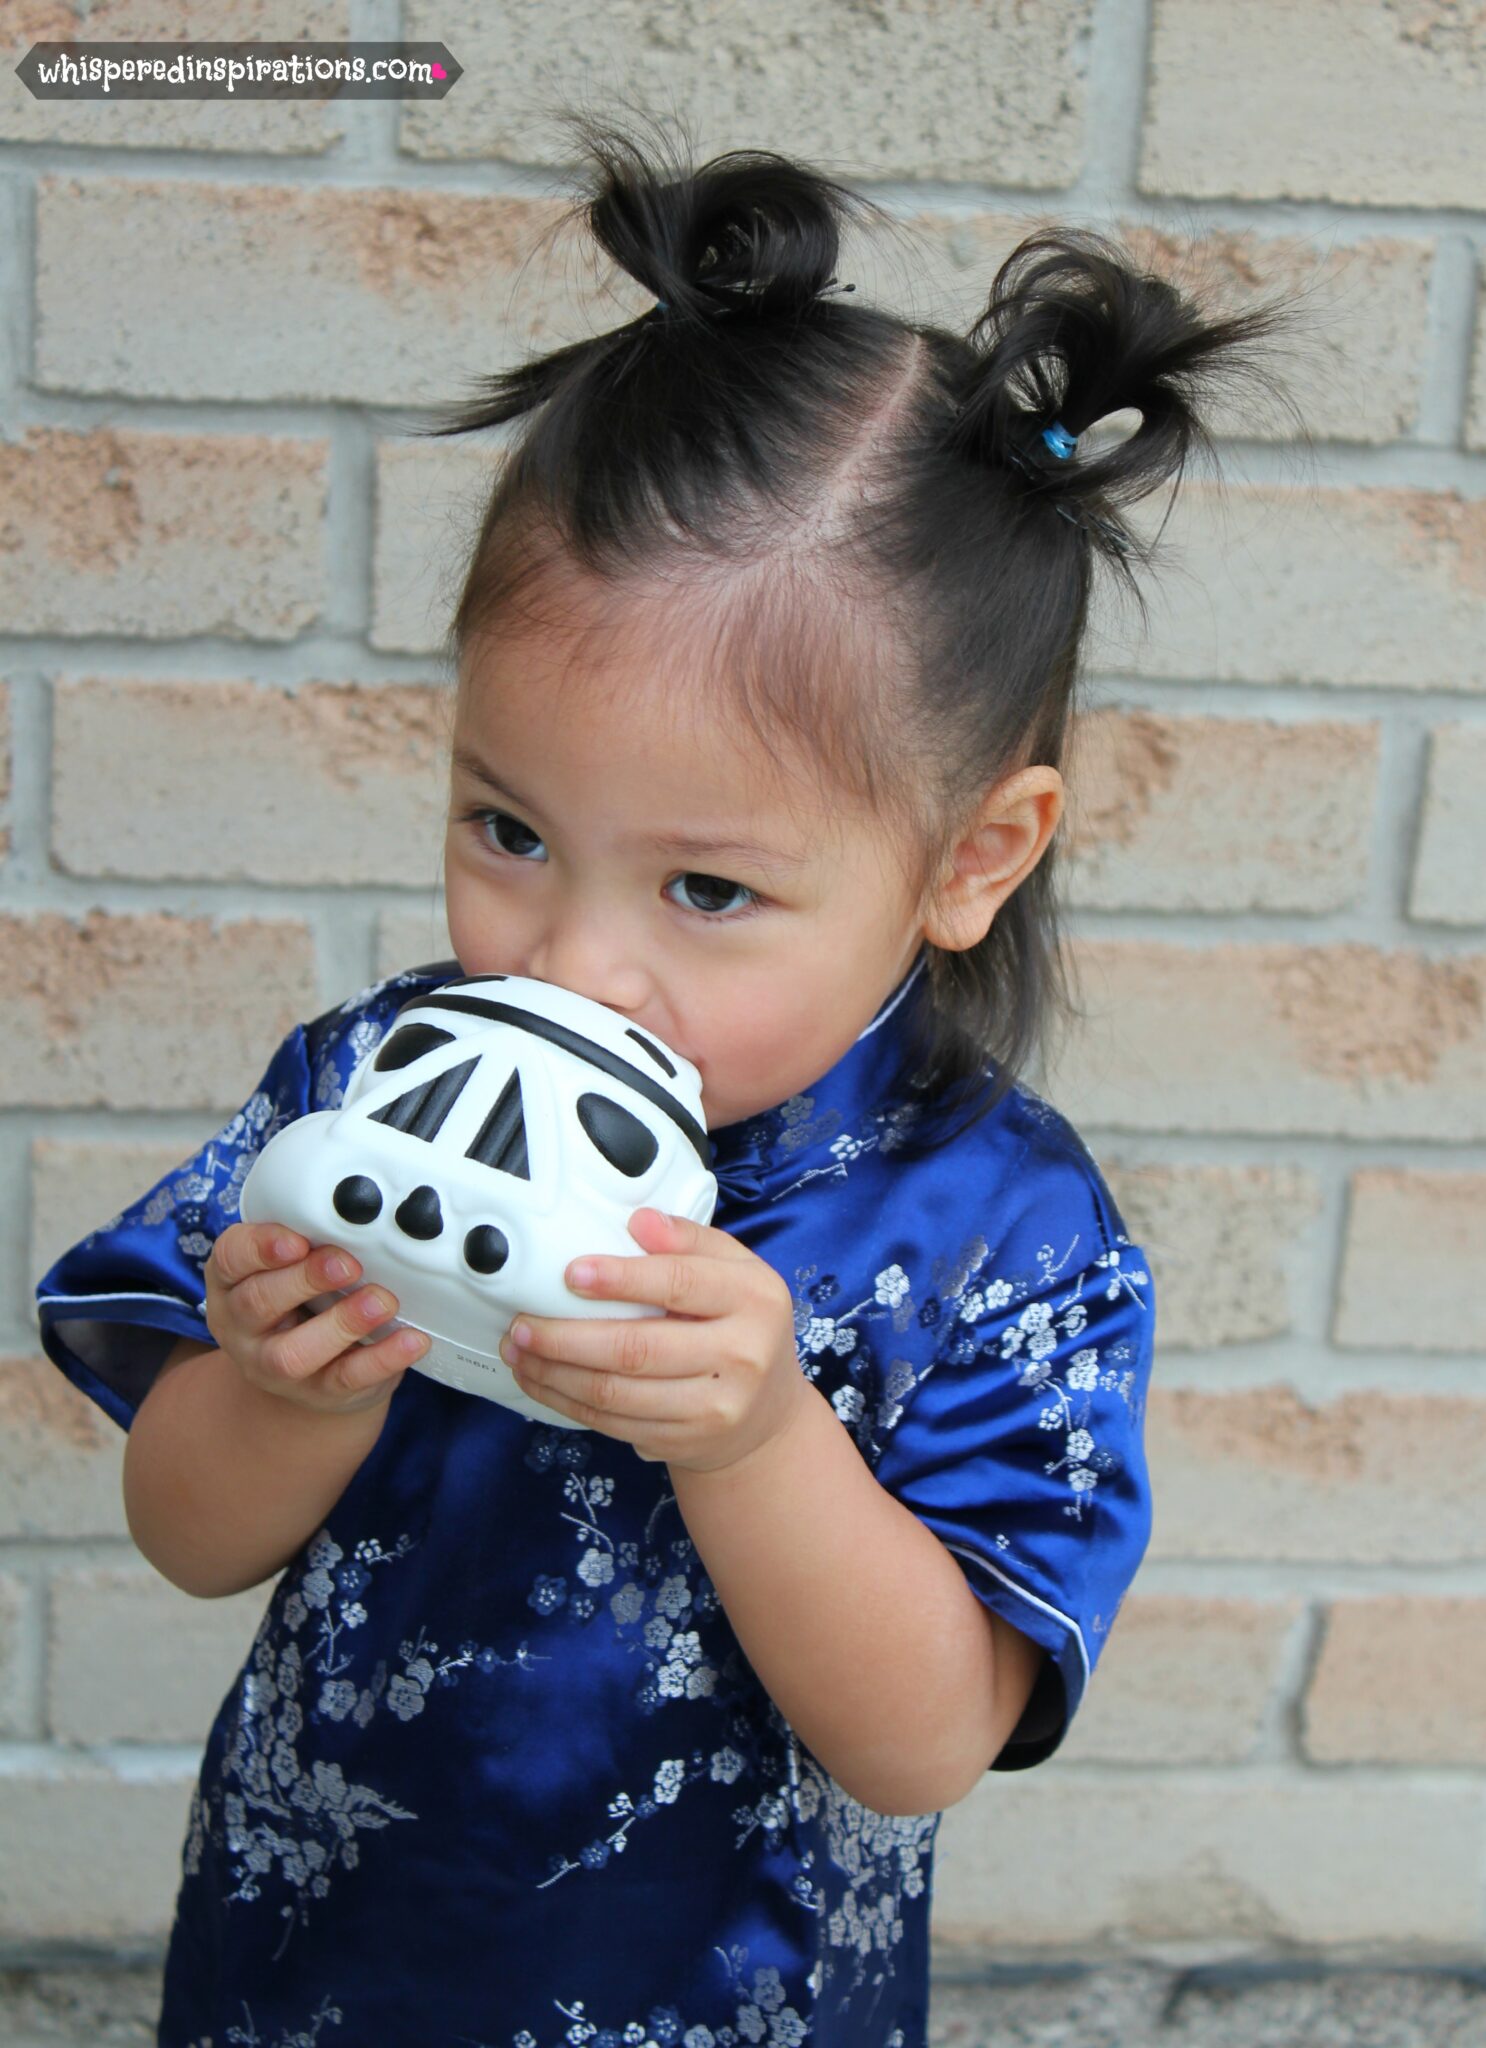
760,1151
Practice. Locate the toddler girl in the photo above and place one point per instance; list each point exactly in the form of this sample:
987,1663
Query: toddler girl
641,1731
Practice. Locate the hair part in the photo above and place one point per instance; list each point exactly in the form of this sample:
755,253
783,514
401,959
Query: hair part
852,521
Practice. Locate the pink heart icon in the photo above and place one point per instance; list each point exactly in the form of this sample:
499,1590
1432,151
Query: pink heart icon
439,71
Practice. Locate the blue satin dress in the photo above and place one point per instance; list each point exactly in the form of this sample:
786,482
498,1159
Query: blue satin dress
495,1772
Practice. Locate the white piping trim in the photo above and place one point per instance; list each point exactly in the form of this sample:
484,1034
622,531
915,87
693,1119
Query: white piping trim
174,1299
1068,1622
883,1015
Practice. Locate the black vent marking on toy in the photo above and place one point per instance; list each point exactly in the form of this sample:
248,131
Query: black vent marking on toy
624,1141
422,1110
654,1051
409,1043
584,1049
486,1249
357,1199
419,1214
501,1140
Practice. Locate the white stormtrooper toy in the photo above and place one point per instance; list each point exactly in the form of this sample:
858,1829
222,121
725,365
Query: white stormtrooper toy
501,1128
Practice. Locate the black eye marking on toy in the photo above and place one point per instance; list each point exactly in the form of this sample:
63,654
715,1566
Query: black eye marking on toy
654,1051
486,1249
419,1214
357,1199
409,1043
501,1140
422,1110
624,1141
584,1049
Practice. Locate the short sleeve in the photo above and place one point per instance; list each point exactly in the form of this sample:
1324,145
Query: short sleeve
1022,1447
112,1308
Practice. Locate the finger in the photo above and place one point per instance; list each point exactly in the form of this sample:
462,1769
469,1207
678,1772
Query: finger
684,1284
364,1365
619,1405
243,1249
665,1232
263,1301
300,1349
632,1347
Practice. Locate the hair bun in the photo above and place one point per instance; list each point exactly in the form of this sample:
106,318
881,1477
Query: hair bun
748,230
1075,331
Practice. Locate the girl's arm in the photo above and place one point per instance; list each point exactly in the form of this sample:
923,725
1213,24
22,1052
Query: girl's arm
223,1482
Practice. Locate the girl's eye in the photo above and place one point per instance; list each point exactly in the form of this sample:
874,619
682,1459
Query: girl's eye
713,891
711,887
518,830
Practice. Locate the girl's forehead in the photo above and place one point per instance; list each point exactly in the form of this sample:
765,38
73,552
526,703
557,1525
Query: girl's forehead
768,669
636,707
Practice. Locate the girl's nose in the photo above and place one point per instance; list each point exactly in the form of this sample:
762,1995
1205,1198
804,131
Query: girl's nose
579,955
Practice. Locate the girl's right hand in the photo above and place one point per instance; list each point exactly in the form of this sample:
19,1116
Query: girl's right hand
255,1300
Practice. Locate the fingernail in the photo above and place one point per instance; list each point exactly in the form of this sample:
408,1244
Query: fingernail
521,1333
583,1273
283,1247
338,1268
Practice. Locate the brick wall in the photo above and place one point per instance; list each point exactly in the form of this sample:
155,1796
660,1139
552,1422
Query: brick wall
215,547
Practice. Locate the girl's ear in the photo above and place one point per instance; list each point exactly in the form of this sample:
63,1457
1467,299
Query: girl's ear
1003,843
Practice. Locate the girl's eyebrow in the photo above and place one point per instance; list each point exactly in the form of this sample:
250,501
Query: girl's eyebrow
664,842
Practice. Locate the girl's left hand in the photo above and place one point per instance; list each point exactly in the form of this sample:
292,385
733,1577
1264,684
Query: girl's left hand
702,1388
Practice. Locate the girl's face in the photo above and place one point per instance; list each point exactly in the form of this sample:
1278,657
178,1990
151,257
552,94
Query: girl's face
758,949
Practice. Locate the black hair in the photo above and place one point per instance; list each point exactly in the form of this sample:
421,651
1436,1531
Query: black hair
884,556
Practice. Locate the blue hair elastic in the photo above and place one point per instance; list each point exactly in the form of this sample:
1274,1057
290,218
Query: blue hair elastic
1060,440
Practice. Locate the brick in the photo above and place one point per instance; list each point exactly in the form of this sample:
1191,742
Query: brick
4,765
1475,424
1096,1861
1400,1679
1367,1478
100,1690
15,1675
1182,1679
1411,1272
157,535
77,1186
298,127
1356,375
61,1457
89,1856
329,780
379,296
430,504
1340,1040
1219,813
150,1010
1372,587
987,91
1372,103
1221,1241
1449,885
412,938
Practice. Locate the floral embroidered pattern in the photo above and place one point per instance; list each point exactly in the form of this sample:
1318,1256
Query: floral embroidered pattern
248,2036
764,2018
873,1860
306,1819
1033,1339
